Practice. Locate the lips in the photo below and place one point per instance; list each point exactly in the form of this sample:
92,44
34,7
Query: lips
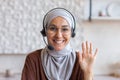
58,41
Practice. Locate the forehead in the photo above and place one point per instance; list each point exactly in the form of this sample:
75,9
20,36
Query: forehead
59,21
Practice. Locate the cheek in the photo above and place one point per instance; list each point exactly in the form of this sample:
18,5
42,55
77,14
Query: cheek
68,37
49,37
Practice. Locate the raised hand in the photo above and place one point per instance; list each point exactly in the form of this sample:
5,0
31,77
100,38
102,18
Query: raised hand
87,57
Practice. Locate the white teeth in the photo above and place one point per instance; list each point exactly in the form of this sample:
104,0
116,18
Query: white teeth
59,42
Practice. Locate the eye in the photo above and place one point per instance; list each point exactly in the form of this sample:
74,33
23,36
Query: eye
52,28
65,29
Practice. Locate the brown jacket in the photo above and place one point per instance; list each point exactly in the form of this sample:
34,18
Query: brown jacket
33,69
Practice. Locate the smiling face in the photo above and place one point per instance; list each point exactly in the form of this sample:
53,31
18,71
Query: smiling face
58,33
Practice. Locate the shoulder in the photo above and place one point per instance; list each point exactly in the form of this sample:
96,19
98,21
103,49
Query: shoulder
35,54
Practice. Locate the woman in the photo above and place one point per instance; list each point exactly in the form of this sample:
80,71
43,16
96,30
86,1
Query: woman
58,61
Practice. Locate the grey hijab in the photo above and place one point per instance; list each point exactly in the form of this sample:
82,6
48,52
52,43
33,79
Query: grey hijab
58,65
58,12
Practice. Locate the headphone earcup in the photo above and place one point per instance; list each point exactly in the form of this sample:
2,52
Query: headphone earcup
43,32
73,34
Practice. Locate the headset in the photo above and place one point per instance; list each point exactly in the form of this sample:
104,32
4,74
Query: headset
44,33
73,30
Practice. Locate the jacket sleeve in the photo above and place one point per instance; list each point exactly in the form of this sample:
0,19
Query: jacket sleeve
28,72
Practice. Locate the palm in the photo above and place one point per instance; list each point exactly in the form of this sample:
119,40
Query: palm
86,58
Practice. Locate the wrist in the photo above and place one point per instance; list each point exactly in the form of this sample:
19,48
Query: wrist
88,75
88,70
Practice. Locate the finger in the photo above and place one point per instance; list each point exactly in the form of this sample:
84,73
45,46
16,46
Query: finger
96,51
90,48
87,47
83,47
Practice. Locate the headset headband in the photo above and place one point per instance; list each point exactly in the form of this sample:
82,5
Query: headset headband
73,19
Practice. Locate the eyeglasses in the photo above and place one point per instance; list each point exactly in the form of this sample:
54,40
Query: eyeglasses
52,29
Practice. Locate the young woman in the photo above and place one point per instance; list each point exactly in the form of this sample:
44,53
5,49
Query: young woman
58,61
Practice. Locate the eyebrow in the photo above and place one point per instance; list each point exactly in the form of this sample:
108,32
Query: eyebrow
52,25
62,25
65,26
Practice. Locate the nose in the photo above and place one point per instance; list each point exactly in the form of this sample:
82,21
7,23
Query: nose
58,34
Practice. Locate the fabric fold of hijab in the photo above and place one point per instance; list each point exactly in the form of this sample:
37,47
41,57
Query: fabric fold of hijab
58,65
